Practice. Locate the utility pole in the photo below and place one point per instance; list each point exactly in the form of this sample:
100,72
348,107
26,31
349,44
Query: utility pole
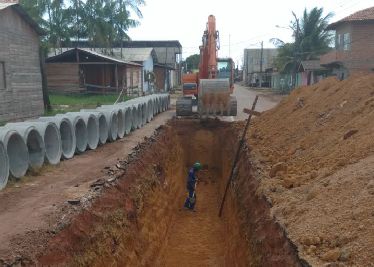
261,59
296,51
229,45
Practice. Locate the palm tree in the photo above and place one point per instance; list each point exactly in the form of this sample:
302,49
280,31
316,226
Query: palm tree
310,38
122,20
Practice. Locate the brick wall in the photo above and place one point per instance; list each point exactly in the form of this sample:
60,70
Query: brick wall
19,50
360,57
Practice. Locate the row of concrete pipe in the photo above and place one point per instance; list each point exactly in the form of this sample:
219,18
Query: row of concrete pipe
29,144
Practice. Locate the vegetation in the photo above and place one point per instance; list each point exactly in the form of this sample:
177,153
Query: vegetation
310,38
192,62
101,22
69,103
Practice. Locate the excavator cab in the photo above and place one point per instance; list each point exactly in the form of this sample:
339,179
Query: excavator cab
225,70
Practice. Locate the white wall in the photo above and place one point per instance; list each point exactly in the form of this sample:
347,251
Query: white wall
147,66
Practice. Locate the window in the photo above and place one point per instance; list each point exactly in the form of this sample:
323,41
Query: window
346,42
337,41
2,76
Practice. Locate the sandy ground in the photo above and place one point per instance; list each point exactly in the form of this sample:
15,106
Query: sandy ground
196,238
314,153
28,208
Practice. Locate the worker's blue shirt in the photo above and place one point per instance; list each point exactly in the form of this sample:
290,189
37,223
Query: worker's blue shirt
191,179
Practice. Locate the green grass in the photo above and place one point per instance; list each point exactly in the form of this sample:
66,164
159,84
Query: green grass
69,103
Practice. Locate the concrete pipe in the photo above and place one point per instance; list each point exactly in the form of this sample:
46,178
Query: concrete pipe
163,104
52,140
144,112
120,119
112,120
67,135
149,110
4,166
33,140
80,131
158,104
136,113
92,125
127,116
17,152
154,99
103,124
135,117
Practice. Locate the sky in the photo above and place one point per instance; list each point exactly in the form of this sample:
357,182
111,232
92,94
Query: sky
241,23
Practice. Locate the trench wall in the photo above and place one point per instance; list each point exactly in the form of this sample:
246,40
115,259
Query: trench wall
128,224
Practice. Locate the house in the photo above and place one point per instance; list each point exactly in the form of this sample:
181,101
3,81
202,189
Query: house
168,54
354,44
310,72
82,70
21,94
256,62
144,56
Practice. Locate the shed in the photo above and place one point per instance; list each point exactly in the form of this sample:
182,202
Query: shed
82,70
21,94
311,72
145,56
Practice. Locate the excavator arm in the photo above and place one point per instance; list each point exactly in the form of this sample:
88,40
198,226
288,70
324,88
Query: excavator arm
214,82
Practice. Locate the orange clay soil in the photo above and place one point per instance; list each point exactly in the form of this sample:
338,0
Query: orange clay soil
315,158
139,221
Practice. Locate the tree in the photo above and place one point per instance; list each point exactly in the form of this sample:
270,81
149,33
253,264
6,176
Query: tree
310,38
192,62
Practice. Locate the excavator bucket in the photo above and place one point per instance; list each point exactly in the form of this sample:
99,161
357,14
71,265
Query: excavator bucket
214,98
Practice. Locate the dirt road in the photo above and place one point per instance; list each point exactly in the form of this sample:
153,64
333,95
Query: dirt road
245,97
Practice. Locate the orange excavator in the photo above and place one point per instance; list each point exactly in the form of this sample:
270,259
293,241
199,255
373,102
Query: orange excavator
213,85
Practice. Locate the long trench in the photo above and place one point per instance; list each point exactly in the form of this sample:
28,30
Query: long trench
141,220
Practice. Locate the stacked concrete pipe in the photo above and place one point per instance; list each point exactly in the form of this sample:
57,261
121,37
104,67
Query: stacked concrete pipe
4,166
112,120
17,152
67,134
92,126
80,131
136,113
149,109
127,116
33,141
103,124
120,118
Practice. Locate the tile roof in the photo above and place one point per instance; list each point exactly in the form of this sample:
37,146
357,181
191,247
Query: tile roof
362,15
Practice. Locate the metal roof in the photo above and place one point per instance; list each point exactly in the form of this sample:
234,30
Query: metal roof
311,65
362,15
135,54
92,53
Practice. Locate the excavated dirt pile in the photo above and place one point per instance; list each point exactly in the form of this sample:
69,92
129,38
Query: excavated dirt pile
140,220
315,159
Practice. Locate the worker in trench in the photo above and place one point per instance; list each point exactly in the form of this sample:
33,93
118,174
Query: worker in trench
191,186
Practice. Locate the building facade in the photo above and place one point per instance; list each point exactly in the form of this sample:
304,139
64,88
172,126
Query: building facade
354,44
256,64
21,94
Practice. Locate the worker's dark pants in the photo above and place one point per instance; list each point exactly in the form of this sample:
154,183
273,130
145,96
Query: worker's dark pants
191,198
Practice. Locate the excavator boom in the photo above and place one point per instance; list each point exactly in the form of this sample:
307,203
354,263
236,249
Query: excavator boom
213,84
